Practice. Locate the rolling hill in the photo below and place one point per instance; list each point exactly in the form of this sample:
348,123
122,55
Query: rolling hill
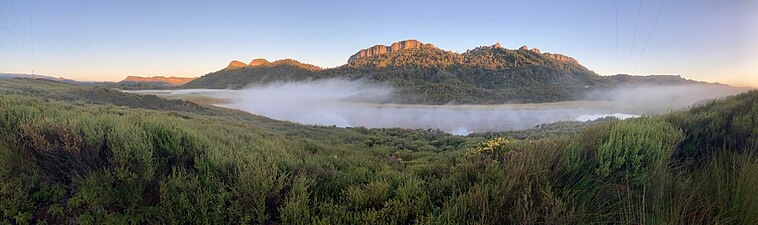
156,80
35,76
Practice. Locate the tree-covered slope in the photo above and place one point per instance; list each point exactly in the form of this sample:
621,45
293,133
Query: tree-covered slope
485,75
427,74
239,77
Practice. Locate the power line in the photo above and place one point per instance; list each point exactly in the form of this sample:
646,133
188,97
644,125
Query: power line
18,26
13,38
617,34
31,34
650,35
634,38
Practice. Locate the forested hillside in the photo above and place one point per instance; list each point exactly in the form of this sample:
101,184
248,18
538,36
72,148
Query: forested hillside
70,155
427,74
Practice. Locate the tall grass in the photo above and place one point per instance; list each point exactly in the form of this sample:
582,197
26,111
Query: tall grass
69,162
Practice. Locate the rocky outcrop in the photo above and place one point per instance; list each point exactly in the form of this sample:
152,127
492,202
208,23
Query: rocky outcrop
561,58
235,64
557,57
381,49
170,81
259,62
480,48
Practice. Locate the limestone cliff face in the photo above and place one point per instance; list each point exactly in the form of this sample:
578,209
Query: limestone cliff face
381,49
557,57
172,81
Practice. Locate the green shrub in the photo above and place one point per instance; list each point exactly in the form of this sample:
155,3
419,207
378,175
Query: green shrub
636,149
297,207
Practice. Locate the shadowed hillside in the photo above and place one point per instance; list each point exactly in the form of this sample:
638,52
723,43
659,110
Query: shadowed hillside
423,73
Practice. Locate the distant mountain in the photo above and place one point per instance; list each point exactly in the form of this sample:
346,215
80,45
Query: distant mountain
34,76
423,73
59,79
656,79
157,80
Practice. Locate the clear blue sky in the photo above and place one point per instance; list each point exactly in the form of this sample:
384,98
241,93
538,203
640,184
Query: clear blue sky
710,40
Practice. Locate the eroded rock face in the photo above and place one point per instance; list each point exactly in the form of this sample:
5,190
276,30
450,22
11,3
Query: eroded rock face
173,81
258,62
381,49
236,64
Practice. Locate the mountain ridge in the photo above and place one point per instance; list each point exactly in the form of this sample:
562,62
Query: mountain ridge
425,74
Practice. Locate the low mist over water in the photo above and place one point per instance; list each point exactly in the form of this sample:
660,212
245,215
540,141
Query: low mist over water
356,103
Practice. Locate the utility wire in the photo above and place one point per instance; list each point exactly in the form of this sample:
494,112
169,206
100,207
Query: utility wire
650,35
18,25
31,34
617,34
631,50
13,38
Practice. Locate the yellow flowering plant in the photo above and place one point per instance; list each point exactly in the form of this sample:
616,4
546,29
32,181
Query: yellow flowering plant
494,149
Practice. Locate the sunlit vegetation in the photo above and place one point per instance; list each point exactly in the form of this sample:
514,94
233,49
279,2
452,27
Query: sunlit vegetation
81,159
431,75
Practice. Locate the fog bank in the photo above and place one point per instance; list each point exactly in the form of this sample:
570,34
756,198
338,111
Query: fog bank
663,98
357,103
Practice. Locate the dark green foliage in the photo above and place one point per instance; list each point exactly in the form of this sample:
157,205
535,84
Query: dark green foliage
730,123
636,150
62,161
545,130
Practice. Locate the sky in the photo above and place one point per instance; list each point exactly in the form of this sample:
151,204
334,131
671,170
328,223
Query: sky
709,40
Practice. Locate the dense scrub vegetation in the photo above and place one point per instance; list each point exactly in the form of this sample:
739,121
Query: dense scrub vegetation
236,78
428,75
91,162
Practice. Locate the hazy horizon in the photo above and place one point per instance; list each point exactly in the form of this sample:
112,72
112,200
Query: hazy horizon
97,41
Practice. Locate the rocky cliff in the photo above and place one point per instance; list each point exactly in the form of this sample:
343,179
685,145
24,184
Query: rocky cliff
235,64
381,49
259,62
